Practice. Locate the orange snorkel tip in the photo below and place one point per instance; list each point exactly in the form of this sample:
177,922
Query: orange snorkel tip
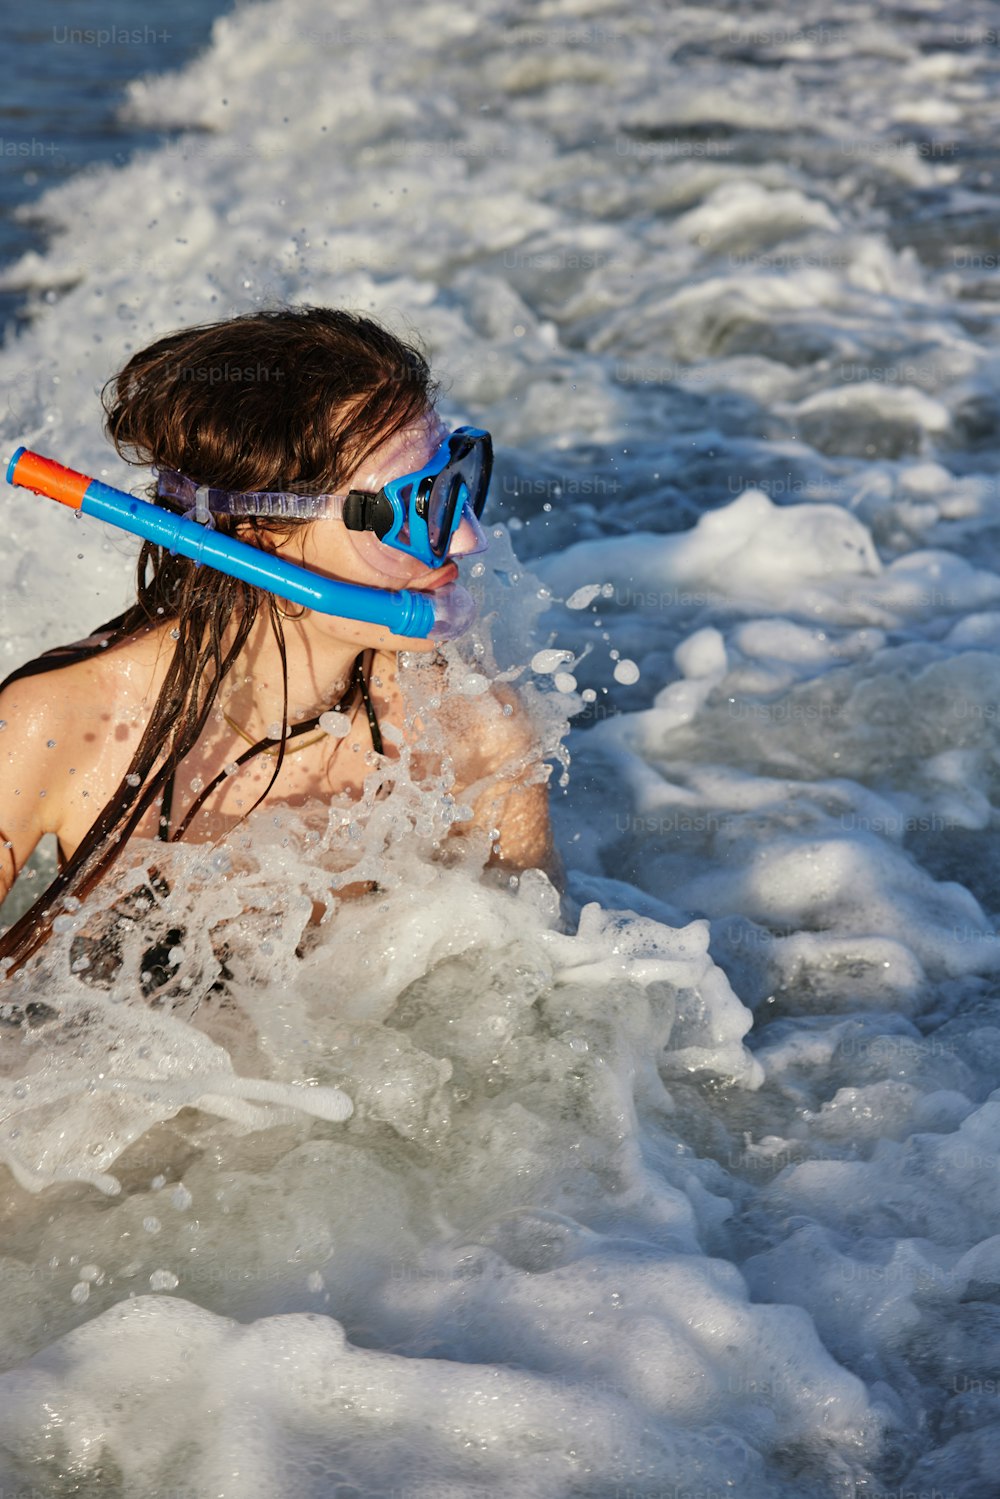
43,475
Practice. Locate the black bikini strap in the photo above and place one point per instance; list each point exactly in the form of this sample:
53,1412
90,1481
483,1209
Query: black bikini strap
376,732
239,762
67,655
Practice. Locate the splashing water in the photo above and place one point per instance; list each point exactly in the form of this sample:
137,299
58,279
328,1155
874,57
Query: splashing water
687,1184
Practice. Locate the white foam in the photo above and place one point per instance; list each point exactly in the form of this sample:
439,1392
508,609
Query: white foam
764,429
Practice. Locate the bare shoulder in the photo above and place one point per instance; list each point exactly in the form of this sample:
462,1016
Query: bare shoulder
35,717
103,686
36,712
501,772
497,731
485,731
496,758
65,732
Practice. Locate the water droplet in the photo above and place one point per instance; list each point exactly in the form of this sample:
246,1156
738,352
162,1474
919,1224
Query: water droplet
335,723
549,661
581,597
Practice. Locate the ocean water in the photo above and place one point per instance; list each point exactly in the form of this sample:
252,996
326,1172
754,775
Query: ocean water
67,70
687,1185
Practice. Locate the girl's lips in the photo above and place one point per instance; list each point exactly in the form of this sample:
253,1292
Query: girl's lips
437,579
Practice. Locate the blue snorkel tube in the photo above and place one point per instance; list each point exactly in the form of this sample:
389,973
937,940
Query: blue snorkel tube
438,615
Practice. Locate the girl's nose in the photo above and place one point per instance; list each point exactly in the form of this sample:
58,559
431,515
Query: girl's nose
469,536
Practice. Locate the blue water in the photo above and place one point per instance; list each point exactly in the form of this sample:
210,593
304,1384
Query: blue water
65,72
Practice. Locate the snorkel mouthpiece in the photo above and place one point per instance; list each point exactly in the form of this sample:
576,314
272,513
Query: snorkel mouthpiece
454,610
440,614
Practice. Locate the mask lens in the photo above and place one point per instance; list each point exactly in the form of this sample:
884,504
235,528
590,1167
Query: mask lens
460,483
443,509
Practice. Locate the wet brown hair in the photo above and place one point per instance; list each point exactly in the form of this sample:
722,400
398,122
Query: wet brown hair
291,399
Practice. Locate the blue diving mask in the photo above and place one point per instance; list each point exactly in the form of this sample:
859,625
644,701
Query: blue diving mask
431,515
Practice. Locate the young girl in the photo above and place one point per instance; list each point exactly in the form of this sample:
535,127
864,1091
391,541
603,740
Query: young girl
209,697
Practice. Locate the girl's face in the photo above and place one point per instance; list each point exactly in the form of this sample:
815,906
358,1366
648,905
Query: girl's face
328,547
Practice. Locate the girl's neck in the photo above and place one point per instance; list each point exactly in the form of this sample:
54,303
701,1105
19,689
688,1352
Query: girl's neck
319,672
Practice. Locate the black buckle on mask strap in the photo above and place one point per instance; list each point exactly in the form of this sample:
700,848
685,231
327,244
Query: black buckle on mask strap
364,511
